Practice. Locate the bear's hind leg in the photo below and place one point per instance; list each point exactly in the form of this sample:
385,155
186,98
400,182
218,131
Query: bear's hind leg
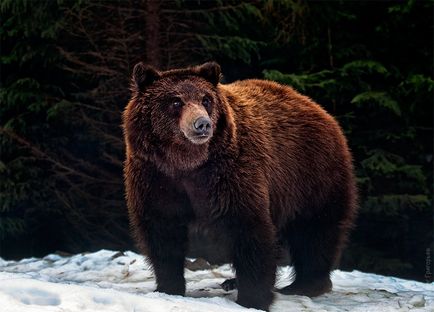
229,284
315,247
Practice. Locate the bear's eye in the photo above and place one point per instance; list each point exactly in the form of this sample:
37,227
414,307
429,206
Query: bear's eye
206,101
177,103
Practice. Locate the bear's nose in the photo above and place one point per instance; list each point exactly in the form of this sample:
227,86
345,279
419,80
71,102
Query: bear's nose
202,125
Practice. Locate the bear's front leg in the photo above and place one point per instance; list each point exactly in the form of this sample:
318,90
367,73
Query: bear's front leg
167,244
254,262
159,216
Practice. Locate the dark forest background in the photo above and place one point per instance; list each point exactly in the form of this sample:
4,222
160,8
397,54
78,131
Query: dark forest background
65,68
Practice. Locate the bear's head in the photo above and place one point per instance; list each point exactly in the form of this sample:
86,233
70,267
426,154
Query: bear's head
173,115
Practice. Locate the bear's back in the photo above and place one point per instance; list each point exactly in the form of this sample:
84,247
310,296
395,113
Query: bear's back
269,98
297,143
271,112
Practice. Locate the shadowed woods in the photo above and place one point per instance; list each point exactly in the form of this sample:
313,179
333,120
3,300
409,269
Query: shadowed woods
65,75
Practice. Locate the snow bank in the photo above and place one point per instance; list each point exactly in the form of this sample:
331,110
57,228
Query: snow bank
115,281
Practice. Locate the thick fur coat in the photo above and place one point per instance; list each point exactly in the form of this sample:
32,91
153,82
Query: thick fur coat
269,170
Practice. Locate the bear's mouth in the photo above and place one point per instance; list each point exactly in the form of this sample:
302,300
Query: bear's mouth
199,139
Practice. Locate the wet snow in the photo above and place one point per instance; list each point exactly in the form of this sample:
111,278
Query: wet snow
122,281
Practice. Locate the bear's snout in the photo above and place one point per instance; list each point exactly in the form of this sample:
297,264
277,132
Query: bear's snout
202,126
196,124
200,130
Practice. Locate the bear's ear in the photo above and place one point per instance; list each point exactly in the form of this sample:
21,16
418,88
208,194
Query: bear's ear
210,71
143,76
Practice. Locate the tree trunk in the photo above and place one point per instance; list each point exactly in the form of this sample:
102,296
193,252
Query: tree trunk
153,51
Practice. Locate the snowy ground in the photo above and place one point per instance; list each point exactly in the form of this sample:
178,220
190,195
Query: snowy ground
114,281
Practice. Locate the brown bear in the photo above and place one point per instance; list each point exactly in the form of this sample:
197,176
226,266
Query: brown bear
258,164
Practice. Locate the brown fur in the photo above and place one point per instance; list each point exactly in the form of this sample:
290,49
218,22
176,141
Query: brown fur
276,173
